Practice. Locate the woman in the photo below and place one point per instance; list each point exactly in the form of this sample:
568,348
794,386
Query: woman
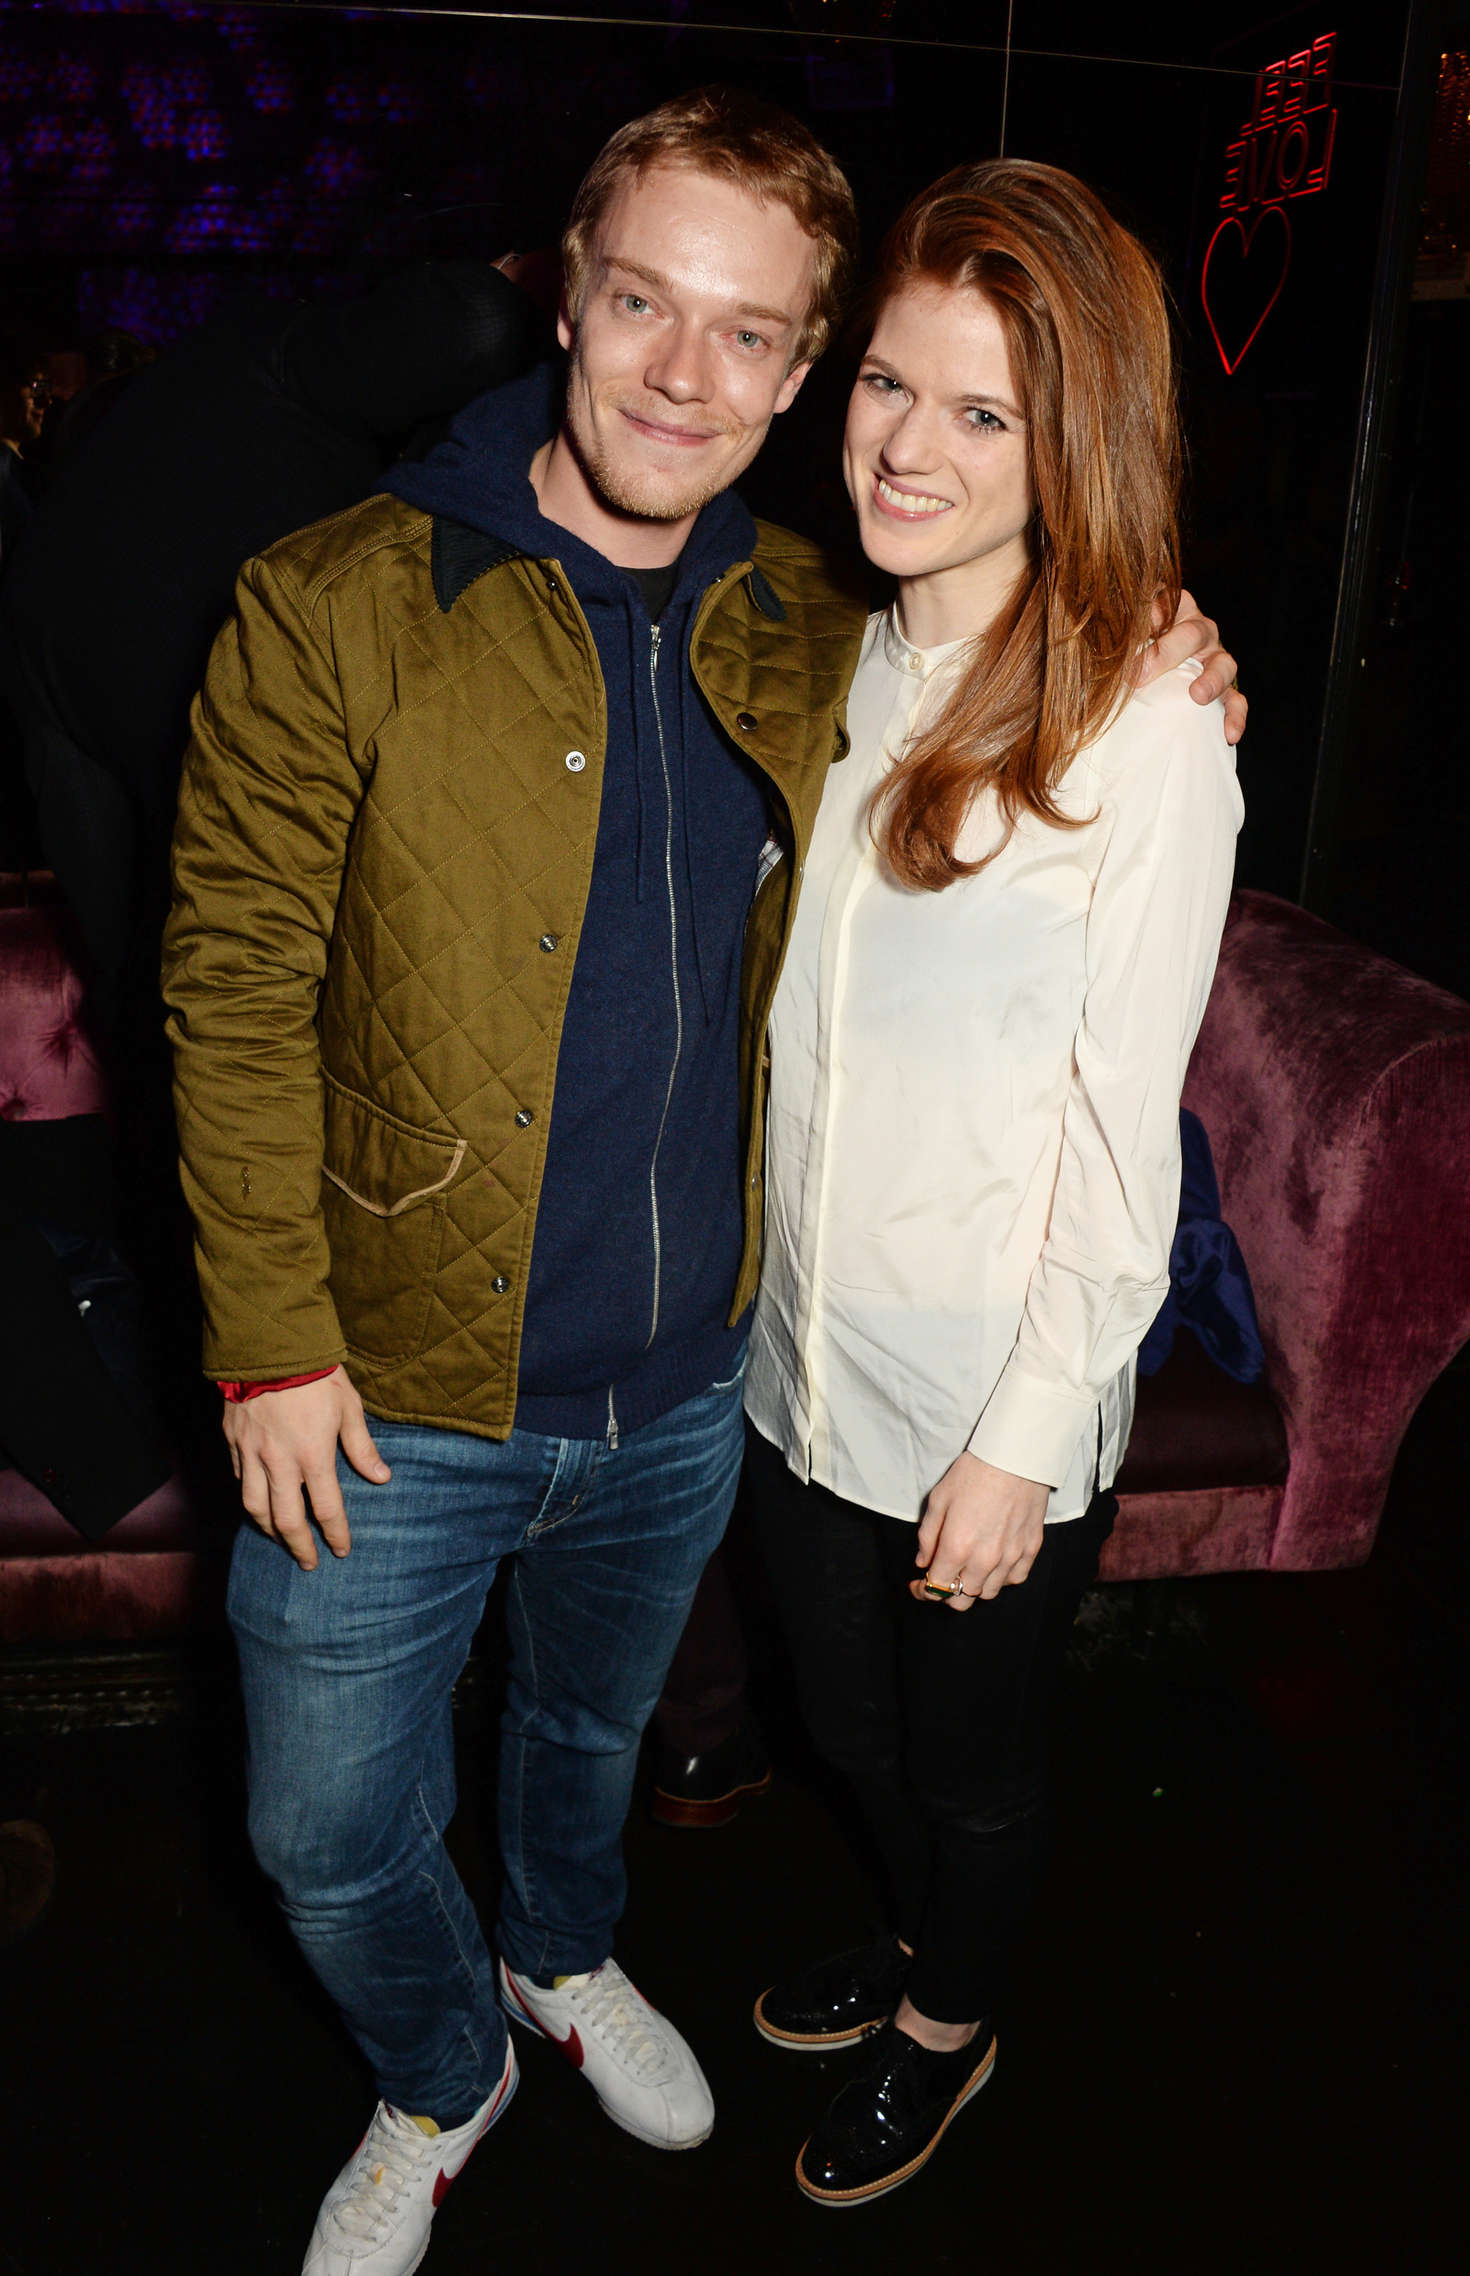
1011,911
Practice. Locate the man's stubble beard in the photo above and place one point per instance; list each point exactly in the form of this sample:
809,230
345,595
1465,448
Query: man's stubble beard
625,494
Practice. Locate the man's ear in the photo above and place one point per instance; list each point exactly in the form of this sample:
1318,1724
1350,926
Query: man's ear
566,323
791,385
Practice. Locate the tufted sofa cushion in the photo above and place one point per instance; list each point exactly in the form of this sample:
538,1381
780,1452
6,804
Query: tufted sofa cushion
48,1066
160,1572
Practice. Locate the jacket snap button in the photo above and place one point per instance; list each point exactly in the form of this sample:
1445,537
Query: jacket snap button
523,1117
547,943
500,1284
576,760
746,721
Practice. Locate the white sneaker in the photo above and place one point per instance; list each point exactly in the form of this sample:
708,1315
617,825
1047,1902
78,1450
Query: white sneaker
637,2065
376,2216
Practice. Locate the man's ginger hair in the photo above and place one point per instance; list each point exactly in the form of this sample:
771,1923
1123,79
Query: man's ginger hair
745,140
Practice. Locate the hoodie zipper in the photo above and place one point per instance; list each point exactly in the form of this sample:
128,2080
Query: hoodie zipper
674,972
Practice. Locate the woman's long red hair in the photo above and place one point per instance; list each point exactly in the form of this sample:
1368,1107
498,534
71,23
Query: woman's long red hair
1086,322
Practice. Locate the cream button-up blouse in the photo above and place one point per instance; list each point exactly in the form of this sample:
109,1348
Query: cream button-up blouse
972,1170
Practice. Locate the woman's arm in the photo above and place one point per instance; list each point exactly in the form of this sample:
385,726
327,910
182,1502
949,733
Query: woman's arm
1153,933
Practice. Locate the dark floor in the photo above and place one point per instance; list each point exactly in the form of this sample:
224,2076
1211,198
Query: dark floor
1236,2041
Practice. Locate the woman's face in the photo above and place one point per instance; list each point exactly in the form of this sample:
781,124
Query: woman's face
935,453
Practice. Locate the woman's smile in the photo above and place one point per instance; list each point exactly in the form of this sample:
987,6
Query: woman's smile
937,459
908,505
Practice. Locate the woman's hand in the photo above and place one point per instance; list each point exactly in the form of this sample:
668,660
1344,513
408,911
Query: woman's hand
982,1527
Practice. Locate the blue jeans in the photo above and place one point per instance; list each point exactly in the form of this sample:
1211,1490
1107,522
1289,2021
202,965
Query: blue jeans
347,1673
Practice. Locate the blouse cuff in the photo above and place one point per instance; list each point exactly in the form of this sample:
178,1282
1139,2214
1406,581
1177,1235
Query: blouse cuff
1032,1429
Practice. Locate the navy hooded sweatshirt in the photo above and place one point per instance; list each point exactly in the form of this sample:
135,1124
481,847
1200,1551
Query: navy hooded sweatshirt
639,1226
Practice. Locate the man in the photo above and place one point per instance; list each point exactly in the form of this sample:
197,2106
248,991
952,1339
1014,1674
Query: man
266,419
488,848
24,394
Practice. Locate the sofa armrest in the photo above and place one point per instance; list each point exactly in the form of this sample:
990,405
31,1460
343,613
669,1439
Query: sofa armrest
1335,1087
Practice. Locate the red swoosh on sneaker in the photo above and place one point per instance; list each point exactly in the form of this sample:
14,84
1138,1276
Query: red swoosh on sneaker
570,2046
441,2185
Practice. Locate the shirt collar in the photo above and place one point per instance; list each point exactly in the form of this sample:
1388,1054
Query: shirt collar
922,663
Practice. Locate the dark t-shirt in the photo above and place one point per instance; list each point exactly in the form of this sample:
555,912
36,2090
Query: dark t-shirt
657,587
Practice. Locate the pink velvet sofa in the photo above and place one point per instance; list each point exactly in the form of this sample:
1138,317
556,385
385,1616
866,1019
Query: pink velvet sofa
1335,1088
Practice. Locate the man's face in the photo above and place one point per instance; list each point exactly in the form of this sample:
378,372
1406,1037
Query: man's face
694,297
23,410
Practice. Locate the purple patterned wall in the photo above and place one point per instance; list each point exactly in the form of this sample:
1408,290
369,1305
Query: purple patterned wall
157,156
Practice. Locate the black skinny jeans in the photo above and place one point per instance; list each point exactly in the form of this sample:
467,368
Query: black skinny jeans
937,1720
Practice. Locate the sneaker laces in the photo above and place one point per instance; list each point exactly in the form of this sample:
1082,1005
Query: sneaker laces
622,2020
392,2155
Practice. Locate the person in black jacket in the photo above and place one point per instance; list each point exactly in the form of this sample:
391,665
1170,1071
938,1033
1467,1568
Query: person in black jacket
24,395
267,419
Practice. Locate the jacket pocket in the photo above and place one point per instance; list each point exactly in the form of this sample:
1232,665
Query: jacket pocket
383,1202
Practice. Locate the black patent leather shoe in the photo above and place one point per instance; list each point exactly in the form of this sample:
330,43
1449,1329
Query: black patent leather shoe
888,2121
834,2002
708,1789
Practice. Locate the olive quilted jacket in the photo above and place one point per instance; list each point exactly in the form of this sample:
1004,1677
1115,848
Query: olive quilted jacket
381,866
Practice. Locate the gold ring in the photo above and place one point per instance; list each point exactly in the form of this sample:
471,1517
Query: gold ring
942,1588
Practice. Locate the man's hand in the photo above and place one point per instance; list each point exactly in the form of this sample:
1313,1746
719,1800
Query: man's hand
982,1526
1194,635
284,1441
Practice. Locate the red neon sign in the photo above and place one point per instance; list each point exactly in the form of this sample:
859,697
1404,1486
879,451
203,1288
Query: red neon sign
1283,151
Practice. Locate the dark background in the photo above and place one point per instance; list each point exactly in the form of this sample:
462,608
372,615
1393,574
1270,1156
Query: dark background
155,158
1256,1911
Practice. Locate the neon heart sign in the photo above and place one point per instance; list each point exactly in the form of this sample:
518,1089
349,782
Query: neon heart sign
1245,281
1283,151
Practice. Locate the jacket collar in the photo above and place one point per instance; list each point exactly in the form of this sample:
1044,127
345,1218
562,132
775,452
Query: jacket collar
459,556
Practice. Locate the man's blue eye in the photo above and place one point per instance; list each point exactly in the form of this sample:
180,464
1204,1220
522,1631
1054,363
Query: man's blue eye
634,301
